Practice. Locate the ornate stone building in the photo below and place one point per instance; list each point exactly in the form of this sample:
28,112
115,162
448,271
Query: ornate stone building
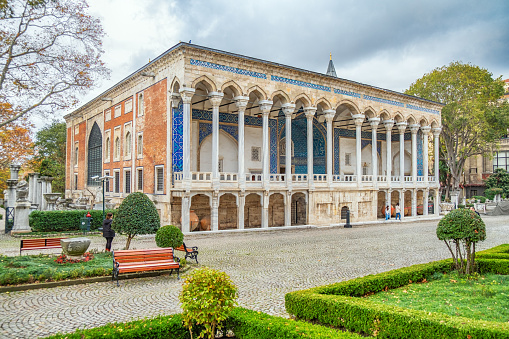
248,143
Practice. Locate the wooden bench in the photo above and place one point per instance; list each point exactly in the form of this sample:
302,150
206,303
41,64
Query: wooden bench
128,261
191,252
39,244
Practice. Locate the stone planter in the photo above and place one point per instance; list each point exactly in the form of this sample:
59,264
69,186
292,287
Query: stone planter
75,247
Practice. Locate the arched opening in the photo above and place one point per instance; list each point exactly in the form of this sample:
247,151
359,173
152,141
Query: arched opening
344,212
299,215
94,155
276,210
420,202
381,204
408,164
394,201
227,212
200,205
408,203
253,211
228,153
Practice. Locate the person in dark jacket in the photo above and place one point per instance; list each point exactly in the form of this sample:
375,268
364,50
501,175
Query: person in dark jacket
108,233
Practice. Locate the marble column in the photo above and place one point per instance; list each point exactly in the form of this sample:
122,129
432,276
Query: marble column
14,168
241,207
388,128
215,99
32,186
310,113
186,204
402,203
374,146
436,158
401,129
288,110
265,209
288,209
425,132
413,129
265,106
214,212
425,198
414,202
186,94
358,119
241,103
329,116
436,203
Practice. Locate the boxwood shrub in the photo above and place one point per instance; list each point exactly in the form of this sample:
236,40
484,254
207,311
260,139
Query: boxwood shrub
246,324
340,305
64,221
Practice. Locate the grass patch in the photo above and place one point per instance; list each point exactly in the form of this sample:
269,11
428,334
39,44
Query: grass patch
43,268
477,297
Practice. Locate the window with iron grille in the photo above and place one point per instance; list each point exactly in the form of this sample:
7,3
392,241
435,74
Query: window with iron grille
255,153
140,179
107,181
117,182
348,157
95,148
159,179
127,182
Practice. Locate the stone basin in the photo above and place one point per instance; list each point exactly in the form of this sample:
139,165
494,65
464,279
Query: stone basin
75,247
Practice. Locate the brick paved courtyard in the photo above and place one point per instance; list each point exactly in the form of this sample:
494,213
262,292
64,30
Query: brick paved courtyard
264,265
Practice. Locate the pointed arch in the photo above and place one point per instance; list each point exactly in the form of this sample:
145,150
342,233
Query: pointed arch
434,124
94,163
258,92
385,115
423,122
280,94
411,120
369,112
209,85
352,106
175,85
306,102
323,103
235,88
398,117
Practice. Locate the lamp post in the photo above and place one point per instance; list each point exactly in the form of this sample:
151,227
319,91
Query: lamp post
102,180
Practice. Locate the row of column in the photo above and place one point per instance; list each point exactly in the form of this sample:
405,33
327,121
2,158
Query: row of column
288,110
425,198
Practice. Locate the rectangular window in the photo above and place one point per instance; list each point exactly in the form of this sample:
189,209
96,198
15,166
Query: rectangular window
220,165
141,105
76,181
473,193
117,181
107,181
159,179
127,181
348,157
255,153
140,179
118,111
107,115
128,106
139,146
500,160
473,170
365,170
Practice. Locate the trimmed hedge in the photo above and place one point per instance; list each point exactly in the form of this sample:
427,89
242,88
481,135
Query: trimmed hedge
64,221
339,305
498,252
246,324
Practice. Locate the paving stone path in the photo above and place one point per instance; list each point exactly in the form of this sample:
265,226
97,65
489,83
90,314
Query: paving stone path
264,265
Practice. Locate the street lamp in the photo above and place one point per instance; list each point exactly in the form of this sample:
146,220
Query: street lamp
103,180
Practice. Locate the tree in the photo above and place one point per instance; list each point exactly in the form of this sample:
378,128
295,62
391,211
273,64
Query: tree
473,118
460,229
169,236
499,179
137,214
50,51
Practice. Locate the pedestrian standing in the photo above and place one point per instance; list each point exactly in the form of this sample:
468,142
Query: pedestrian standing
108,233
398,212
388,212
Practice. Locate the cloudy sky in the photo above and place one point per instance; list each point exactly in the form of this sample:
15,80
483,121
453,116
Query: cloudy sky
387,43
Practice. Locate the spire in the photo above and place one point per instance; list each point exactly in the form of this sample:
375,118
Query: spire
331,70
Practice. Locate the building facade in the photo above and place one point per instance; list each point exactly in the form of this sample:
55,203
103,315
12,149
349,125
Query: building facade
237,142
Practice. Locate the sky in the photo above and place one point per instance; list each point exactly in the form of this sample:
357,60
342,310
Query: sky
387,44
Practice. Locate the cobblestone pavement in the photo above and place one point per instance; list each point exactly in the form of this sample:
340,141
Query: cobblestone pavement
264,265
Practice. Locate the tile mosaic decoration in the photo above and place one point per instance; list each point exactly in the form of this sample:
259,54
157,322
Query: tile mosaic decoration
420,168
352,94
228,69
335,154
205,130
177,138
299,83
395,137
384,101
427,110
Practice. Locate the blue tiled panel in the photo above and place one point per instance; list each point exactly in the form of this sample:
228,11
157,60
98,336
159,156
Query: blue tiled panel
177,132
384,101
205,130
395,136
299,83
336,150
419,154
352,94
228,69
427,110
273,145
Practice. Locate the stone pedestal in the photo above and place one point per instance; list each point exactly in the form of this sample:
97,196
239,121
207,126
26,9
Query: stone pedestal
51,200
21,213
75,247
454,197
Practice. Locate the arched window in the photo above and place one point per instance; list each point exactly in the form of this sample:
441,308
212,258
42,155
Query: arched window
117,148
127,149
95,156
141,105
140,145
107,150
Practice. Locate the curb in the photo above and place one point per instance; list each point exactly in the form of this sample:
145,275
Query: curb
26,287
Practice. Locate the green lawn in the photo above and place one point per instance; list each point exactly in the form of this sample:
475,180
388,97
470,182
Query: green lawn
481,298
41,268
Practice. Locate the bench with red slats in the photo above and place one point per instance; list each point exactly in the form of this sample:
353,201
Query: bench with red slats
191,252
128,261
39,244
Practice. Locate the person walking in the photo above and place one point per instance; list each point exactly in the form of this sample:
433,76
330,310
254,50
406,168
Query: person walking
398,212
108,233
388,212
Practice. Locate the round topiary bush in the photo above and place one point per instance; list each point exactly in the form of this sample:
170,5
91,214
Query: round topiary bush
137,214
169,236
460,230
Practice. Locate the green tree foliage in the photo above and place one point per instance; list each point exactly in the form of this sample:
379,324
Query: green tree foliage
461,229
473,118
169,236
208,296
137,214
499,179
